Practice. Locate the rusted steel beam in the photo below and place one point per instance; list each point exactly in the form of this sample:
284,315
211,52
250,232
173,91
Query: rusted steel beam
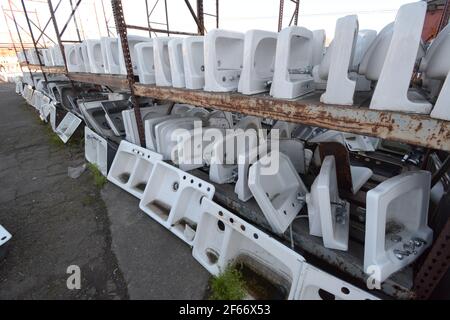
114,81
414,129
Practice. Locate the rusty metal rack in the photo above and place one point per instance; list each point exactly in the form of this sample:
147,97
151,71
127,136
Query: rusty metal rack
419,130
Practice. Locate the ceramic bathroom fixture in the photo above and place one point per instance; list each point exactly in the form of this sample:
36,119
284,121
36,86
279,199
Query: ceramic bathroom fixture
191,146
293,63
57,56
46,109
132,42
166,134
149,127
110,55
365,39
392,89
130,124
52,113
224,239
5,236
85,57
146,65
132,167
279,191
350,178
113,115
47,55
340,89
74,57
318,50
223,54
96,62
175,47
328,215
436,66
245,160
396,223
258,63
28,93
316,284
94,116
67,126
163,74
353,142
225,154
173,198
96,150
295,150
193,62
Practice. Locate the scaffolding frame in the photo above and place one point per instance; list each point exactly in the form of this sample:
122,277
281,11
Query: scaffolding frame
370,122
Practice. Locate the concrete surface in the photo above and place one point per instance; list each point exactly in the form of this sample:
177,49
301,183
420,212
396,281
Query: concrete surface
57,221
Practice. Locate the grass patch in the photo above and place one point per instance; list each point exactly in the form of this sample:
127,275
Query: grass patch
99,179
229,285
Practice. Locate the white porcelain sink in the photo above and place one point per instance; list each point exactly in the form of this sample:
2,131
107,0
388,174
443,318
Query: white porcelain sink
436,66
279,191
293,63
258,64
329,216
67,126
194,63
336,65
173,198
110,54
223,54
176,63
163,75
96,150
94,49
132,42
391,62
396,223
132,167
74,57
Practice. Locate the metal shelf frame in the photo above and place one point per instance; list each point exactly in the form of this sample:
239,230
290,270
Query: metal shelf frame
419,130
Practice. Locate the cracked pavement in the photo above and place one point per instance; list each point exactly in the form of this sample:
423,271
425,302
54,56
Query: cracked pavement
57,221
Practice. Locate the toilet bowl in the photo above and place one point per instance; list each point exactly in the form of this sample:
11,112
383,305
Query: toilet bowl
163,75
132,42
223,54
194,62
175,47
328,215
293,63
396,223
146,65
132,167
279,193
173,198
94,50
335,67
258,63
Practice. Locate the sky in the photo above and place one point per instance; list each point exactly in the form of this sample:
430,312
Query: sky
238,15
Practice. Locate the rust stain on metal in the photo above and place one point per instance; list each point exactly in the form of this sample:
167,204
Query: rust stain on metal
408,128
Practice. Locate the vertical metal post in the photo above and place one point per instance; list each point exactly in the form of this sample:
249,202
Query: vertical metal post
200,17
217,14
33,39
148,18
96,18
167,17
106,20
12,40
75,21
58,36
121,28
280,16
297,6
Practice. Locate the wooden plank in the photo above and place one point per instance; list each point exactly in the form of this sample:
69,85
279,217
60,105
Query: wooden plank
114,81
